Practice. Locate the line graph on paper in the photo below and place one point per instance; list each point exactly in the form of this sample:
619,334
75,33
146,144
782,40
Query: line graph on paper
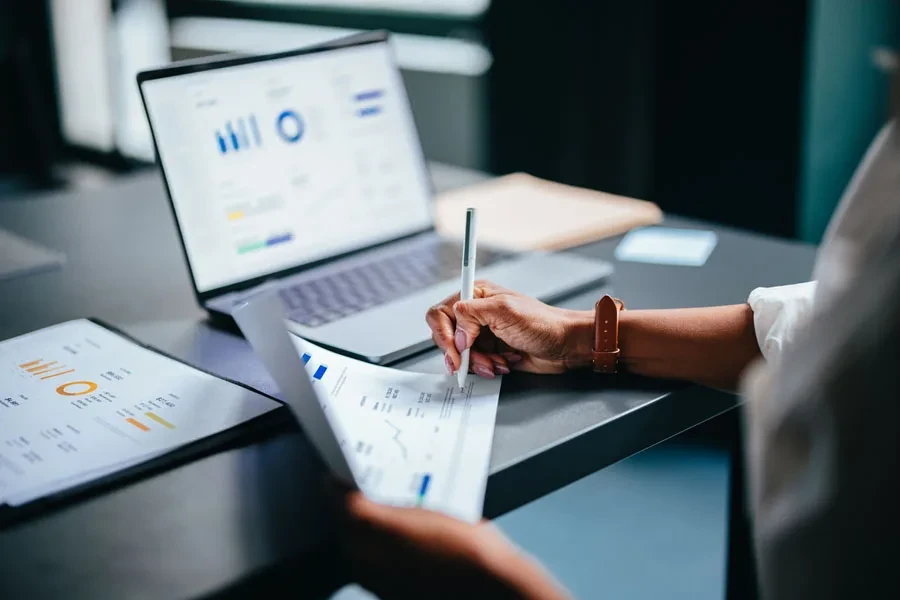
396,438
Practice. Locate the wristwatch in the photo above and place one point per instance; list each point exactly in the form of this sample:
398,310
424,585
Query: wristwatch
605,354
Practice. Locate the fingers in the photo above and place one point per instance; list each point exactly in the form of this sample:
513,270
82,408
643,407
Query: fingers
383,521
513,359
501,366
472,315
442,330
488,364
441,320
481,364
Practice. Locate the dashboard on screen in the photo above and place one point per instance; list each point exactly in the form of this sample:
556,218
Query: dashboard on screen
283,162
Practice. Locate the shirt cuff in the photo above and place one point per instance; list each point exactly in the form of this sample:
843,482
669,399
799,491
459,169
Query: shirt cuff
778,314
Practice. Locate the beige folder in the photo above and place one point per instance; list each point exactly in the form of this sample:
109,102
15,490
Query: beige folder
522,212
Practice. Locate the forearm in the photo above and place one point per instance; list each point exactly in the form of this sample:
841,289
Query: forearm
710,345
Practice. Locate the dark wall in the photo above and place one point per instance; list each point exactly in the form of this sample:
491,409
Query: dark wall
694,105
728,111
28,118
571,91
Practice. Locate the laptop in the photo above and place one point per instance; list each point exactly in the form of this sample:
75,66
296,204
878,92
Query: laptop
302,172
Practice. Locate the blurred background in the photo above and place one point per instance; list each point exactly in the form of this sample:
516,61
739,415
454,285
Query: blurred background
748,114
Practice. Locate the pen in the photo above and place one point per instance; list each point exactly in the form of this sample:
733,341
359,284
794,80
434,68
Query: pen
467,285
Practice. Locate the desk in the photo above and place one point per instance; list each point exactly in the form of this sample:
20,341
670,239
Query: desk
226,519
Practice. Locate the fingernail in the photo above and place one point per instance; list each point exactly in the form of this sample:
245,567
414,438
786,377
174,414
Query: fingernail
484,372
449,362
501,369
513,358
461,341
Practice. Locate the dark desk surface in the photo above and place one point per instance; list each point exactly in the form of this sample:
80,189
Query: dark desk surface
215,522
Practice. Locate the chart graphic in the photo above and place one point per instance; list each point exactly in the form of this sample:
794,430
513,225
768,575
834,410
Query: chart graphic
396,437
159,419
137,424
367,103
113,403
76,388
239,134
423,489
45,370
258,244
320,371
42,370
289,126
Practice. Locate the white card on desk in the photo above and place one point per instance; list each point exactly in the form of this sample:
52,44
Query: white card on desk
667,246
405,439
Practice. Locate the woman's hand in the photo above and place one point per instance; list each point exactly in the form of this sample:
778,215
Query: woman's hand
506,330
416,553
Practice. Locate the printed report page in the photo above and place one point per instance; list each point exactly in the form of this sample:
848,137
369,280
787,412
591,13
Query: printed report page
79,400
412,439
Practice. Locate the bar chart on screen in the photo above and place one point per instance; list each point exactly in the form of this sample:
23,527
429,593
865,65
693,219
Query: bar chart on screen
238,134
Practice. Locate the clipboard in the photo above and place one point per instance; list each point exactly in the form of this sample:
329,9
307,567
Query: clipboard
244,434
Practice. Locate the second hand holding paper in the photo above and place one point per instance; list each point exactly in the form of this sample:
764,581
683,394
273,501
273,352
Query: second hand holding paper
405,439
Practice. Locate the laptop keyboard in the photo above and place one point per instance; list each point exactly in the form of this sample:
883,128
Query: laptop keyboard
343,293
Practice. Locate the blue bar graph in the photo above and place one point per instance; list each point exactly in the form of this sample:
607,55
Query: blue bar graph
320,372
255,129
241,133
426,479
369,111
232,135
279,239
242,127
369,95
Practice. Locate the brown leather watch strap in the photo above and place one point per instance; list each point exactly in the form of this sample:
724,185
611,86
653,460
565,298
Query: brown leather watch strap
605,354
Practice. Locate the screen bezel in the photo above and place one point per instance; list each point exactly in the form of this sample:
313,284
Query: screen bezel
218,62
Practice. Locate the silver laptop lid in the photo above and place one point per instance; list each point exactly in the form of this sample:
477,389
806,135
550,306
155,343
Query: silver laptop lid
273,163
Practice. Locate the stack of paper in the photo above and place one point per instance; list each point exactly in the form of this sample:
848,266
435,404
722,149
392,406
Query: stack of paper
79,401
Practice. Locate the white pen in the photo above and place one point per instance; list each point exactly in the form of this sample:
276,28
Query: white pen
467,285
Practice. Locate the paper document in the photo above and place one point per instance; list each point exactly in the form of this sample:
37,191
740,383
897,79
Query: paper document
78,401
667,246
408,439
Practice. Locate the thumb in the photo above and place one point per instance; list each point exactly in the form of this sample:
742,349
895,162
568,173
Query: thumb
472,315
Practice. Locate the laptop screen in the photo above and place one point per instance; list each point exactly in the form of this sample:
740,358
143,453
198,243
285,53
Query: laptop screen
279,163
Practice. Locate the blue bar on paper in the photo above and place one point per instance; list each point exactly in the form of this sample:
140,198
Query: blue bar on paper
369,111
426,479
306,358
320,372
279,239
222,147
369,95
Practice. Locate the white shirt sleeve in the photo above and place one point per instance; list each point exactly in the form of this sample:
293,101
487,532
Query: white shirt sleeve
778,314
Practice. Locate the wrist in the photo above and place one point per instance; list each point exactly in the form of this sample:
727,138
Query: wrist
579,339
